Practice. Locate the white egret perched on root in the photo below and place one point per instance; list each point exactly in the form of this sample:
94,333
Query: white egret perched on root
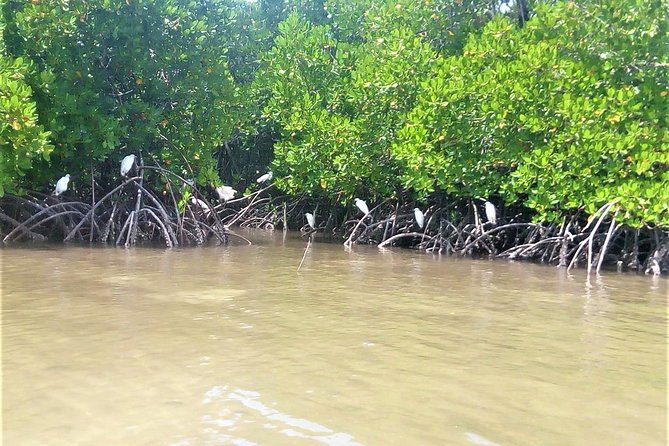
225,193
491,213
362,206
365,210
201,205
264,178
61,185
127,164
311,219
420,218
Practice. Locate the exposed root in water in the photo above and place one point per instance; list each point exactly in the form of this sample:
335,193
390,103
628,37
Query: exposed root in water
305,254
127,215
132,213
457,228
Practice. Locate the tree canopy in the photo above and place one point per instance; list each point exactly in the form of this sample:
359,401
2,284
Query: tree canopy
558,106
111,78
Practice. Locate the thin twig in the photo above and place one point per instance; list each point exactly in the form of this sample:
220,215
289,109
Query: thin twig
305,254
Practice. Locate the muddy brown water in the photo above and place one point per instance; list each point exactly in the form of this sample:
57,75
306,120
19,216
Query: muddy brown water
232,346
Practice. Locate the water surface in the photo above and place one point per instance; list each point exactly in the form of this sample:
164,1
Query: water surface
232,346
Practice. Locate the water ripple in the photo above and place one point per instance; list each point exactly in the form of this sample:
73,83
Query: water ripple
284,423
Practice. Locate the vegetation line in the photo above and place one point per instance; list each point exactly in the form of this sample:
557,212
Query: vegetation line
520,129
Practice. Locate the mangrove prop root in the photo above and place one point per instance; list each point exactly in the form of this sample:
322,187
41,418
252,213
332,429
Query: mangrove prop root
130,206
131,212
609,234
305,254
400,236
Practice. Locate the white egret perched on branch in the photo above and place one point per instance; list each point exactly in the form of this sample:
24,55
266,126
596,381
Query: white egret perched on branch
225,193
127,164
420,218
311,219
263,178
491,212
362,206
203,207
61,185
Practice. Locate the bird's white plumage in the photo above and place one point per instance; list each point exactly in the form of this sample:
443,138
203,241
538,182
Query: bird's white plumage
198,202
420,218
268,176
225,193
61,185
126,164
204,207
491,212
311,219
362,206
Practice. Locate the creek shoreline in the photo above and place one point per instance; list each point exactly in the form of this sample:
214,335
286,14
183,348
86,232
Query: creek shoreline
133,215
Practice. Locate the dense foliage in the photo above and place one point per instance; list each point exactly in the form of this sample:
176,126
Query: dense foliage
565,113
112,78
559,106
21,138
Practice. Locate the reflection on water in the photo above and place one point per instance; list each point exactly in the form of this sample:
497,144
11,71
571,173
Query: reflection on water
234,346
275,420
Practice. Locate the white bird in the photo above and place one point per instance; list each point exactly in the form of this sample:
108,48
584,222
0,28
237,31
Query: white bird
126,164
204,207
362,206
311,219
420,218
225,193
268,176
61,185
491,212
